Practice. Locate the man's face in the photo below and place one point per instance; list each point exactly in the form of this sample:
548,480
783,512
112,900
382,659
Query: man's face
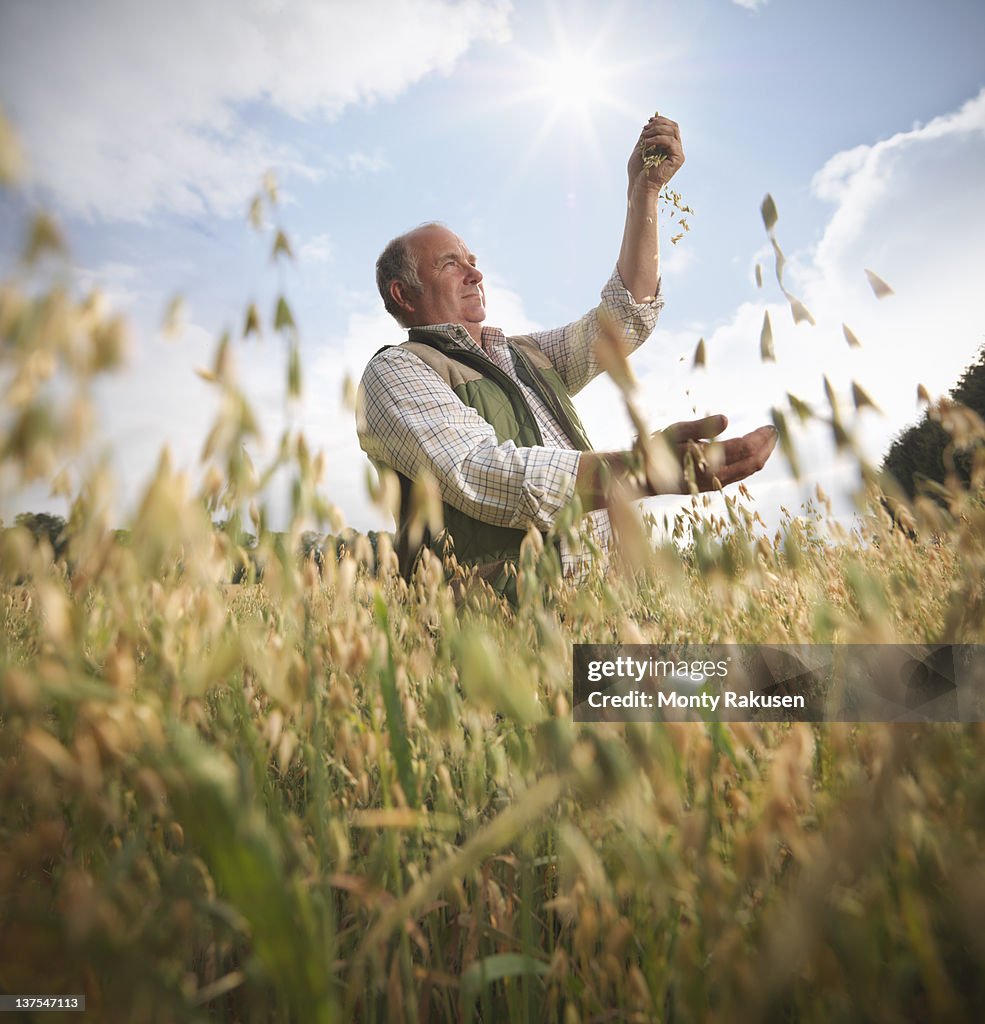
451,284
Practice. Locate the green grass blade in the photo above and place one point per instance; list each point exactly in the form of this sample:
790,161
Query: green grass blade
495,968
396,725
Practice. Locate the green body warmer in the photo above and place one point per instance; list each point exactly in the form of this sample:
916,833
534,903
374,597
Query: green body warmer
479,383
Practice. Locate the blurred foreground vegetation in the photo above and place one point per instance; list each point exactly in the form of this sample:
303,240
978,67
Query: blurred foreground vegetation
341,797
333,796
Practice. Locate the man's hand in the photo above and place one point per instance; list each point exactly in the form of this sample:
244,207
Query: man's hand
708,465
681,456
660,138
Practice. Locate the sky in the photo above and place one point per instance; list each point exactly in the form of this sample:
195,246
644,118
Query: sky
148,128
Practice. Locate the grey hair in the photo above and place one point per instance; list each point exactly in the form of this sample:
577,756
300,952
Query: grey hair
398,263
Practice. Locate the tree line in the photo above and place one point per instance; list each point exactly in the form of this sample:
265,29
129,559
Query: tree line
54,530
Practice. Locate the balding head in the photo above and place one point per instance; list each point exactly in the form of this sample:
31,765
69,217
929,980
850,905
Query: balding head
398,262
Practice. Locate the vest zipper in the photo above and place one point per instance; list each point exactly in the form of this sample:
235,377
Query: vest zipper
547,395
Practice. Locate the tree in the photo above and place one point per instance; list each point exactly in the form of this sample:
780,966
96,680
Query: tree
44,526
918,454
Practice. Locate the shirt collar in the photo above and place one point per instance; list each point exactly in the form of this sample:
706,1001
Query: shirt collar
456,332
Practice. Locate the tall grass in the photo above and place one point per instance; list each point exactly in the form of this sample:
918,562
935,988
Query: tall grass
336,796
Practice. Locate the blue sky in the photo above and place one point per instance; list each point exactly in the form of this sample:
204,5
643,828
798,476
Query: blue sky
149,126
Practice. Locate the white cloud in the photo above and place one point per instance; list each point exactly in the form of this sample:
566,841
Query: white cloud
317,249
365,163
751,5
504,307
331,426
909,208
861,182
675,260
127,108
120,283
156,400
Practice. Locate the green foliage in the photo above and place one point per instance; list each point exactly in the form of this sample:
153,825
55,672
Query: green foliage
927,452
47,527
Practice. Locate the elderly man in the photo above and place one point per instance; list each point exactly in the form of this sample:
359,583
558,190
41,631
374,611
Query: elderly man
490,417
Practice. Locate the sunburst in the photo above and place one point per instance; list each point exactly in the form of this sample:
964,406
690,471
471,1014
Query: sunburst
575,85
578,81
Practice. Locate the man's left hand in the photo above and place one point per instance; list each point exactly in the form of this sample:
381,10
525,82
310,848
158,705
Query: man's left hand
660,137
719,463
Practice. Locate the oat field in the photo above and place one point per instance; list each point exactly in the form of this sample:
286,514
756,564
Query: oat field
333,796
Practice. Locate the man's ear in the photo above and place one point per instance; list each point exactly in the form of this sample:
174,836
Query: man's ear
401,296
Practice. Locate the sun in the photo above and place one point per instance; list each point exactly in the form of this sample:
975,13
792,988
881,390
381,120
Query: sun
574,84
574,87
573,81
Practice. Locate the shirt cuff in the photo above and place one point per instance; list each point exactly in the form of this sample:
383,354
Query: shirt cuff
548,486
637,318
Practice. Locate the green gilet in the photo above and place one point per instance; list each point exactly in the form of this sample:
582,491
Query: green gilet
479,383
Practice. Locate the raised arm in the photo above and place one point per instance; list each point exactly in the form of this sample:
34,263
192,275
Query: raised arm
639,256
631,297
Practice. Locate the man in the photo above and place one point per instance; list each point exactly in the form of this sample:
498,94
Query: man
490,417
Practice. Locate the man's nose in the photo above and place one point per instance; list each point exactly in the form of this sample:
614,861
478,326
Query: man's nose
473,274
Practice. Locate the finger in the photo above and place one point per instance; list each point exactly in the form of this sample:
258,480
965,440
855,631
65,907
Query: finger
671,148
660,136
696,430
662,125
667,146
738,449
746,455
662,140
